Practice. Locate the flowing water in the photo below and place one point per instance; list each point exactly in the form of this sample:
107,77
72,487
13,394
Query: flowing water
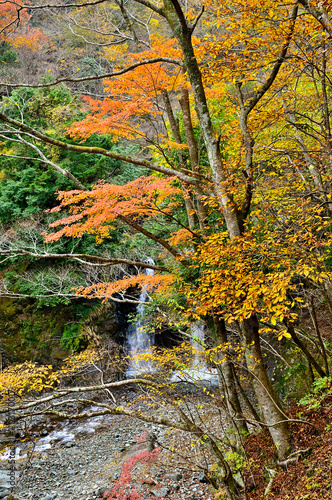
198,370
139,340
62,433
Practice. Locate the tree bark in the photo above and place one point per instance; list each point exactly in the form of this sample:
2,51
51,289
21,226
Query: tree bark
227,382
268,401
193,150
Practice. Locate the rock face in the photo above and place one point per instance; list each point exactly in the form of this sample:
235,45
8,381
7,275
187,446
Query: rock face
42,334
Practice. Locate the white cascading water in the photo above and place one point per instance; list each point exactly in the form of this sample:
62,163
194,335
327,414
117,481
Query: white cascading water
198,371
199,368
139,340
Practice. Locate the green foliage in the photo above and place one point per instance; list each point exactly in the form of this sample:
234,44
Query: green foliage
31,331
321,388
29,186
45,280
236,460
292,380
7,54
71,336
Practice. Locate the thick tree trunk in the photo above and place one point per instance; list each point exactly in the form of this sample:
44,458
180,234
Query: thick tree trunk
268,401
190,209
174,15
270,408
193,150
227,383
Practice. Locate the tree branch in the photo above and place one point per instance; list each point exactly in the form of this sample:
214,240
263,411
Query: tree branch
155,238
100,151
88,259
151,6
95,77
319,13
265,87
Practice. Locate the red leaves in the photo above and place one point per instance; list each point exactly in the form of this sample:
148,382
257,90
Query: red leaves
11,27
121,490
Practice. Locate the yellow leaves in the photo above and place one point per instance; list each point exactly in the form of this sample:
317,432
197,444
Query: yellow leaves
154,22
284,334
258,272
76,362
175,145
26,377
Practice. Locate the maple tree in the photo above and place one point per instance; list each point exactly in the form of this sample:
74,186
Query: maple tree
15,29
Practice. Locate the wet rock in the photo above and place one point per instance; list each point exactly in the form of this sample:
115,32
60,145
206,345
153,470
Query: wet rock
202,478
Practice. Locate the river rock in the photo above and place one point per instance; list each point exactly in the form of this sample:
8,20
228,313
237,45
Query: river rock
161,492
176,476
202,478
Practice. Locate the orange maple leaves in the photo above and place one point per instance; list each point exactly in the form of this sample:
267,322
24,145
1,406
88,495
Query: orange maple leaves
132,96
12,22
94,211
105,290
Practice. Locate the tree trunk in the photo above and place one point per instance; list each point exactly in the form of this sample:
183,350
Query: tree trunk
227,383
268,401
193,150
174,15
306,352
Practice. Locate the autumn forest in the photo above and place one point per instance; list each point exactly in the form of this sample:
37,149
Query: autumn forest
168,164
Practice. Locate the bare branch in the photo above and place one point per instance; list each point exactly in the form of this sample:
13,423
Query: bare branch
96,77
82,258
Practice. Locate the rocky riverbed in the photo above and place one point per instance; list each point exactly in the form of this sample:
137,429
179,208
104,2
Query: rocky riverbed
81,460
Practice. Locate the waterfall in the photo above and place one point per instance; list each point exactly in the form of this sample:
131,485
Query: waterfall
139,341
198,370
